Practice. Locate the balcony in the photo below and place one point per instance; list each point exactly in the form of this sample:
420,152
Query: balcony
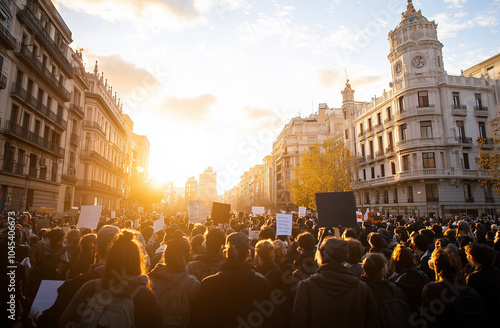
379,153
37,105
3,81
388,120
425,106
7,39
469,199
369,157
12,167
389,150
417,142
459,110
30,58
75,139
93,155
465,141
27,16
489,200
77,109
362,159
99,186
481,111
93,125
487,143
362,133
378,127
432,199
26,135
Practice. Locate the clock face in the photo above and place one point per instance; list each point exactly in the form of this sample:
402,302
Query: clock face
398,68
418,61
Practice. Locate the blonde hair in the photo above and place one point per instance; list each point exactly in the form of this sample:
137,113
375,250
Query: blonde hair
265,250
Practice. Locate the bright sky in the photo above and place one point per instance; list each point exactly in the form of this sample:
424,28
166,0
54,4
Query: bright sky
212,82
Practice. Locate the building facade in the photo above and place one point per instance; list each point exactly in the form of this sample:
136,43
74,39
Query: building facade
36,79
191,189
490,69
417,143
207,187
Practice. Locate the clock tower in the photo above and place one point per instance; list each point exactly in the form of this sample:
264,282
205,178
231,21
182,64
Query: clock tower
416,52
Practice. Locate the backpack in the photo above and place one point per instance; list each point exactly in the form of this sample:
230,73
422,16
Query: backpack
470,309
47,264
175,304
107,310
394,311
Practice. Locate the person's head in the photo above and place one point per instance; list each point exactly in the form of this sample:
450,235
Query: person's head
377,242
441,243
176,254
356,251
463,228
55,236
401,259
428,233
494,228
374,266
490,235
73,237
214,240
197,244
106,236
306,241
124,259
237,247
438,230
446,264
267,233
479,254
349,233
279,251
401,234
419,243
332,250
87,246
264,251
451,235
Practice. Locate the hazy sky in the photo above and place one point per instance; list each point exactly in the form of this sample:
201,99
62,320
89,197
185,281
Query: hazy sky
212,82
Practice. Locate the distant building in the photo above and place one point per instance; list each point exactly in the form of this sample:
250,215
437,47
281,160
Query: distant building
207,187
141,153
191,189
490,69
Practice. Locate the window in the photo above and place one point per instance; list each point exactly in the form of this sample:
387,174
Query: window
425,129
482,130
403,132
373,172
37,127
26,121
460,131
401,101
379,118
363,150
371,147
380,144
367,197
382,170
410,194
466,161
406,162
490,73
429,161
389,113
345,115
423,99
456,100
393,168
431,192
389,139
479,103
386,196
347,133
468,193
361,128
395,195
369,124
364,174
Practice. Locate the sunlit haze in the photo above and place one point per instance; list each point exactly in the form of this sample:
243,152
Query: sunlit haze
212,83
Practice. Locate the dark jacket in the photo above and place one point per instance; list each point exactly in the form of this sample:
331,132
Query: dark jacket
486,281
162,280
334,297
65,293
205,265
412,281
304,266
233,297
147,311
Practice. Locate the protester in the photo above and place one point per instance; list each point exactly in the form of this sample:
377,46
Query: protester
121,297
207,264
333,296
237,295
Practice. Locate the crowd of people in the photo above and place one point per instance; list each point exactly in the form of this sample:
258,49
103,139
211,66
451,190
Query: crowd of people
400,272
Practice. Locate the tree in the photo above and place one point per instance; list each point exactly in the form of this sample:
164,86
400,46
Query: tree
143,190
326,168
488,160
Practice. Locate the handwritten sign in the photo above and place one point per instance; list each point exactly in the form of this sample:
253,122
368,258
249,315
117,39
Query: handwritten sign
89,216
284,224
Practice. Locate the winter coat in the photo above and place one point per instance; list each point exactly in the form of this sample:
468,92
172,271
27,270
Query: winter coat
334,297
486,281
205,265
147,311
234,297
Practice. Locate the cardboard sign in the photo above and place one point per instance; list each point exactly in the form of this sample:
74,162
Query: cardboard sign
89,216
302,212
158,225
336,208
46,296
194,211
253,234
284,224
258,210
221,213
113,214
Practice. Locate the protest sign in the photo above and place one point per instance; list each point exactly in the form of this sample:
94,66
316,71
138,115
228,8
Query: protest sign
221,213
258,210
158,225
336,208
42,223
253,234
302,212
46,296
89,216
284,224
113,214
